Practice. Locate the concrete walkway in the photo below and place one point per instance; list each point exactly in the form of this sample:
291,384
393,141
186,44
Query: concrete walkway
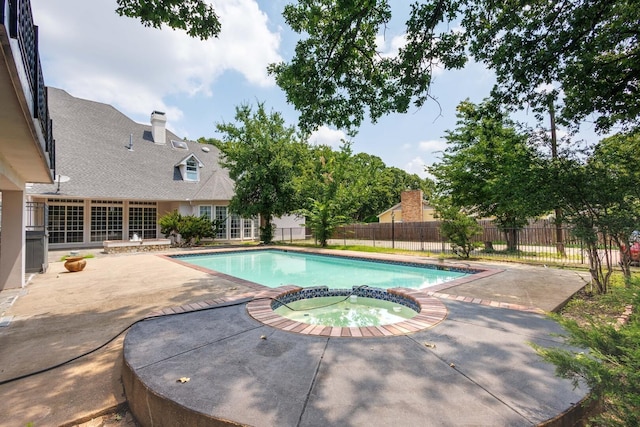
63,315
476,368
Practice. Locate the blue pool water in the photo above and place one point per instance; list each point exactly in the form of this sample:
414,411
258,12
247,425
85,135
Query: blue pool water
273,268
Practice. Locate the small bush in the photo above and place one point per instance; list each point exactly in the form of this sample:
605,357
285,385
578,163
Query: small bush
611,367
188,229
460,230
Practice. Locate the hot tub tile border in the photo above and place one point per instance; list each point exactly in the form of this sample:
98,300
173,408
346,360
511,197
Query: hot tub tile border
431,311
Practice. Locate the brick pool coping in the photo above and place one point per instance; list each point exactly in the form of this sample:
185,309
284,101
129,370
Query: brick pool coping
432,311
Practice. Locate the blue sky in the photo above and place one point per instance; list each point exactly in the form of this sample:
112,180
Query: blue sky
91,52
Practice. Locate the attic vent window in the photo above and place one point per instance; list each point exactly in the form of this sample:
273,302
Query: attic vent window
179,145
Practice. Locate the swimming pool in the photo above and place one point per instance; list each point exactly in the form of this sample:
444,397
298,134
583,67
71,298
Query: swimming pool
273,268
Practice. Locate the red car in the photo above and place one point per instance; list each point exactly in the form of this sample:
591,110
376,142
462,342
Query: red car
635,251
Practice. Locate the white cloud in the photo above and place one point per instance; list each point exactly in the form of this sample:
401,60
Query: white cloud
417,166
390,49
432,145
247,45
93,53
327,136
431,148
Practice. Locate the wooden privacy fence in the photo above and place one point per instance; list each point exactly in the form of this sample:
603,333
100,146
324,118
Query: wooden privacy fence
536,241
535,233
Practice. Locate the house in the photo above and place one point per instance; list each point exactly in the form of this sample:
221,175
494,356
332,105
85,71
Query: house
27,148
117,177
412,208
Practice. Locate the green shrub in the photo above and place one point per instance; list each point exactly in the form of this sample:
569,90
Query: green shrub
611,366
459,229
191,229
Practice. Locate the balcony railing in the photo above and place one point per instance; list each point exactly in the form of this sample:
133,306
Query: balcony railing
22,29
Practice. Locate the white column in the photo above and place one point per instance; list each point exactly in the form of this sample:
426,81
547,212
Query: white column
12,245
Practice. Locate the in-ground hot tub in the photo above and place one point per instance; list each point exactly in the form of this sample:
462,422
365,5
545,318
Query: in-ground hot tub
359,312
360,306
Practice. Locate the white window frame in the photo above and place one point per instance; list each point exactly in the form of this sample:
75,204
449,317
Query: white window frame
107,220
66,221
202,211
146,214
191,170
222,213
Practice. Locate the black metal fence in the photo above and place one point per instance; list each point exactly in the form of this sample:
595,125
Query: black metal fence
536,242
37,239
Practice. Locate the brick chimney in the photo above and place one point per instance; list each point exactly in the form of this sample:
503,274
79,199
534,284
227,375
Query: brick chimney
411,202
158,129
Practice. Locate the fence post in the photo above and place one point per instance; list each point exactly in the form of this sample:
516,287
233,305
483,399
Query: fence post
393,230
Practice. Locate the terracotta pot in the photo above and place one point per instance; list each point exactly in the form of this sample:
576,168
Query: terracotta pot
75,263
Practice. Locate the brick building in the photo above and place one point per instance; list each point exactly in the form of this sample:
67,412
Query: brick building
412,208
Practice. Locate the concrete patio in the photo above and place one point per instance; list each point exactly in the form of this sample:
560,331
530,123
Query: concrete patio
60,315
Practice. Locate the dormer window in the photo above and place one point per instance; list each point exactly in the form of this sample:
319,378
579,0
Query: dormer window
190,168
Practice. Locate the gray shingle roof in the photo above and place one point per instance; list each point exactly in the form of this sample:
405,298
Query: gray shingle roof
92,142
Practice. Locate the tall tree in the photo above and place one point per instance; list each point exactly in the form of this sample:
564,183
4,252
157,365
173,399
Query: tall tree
361,185
490,170
328,201
617,157
589,49
601,198
374,187
402,180
197,17
263,156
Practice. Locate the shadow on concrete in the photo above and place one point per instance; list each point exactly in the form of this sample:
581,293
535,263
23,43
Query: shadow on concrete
475,368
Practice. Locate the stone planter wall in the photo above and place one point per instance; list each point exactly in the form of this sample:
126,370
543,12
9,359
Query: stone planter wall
133,246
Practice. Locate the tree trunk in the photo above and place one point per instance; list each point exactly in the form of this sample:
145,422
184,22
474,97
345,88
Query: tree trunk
625,262
511,235
600,275
266,231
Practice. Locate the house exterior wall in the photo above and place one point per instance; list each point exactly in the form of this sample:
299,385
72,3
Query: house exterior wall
289,228
12,261
27,149
386,217
412,208
84,223
428,214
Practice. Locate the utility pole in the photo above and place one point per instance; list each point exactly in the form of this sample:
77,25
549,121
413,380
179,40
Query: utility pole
554,156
